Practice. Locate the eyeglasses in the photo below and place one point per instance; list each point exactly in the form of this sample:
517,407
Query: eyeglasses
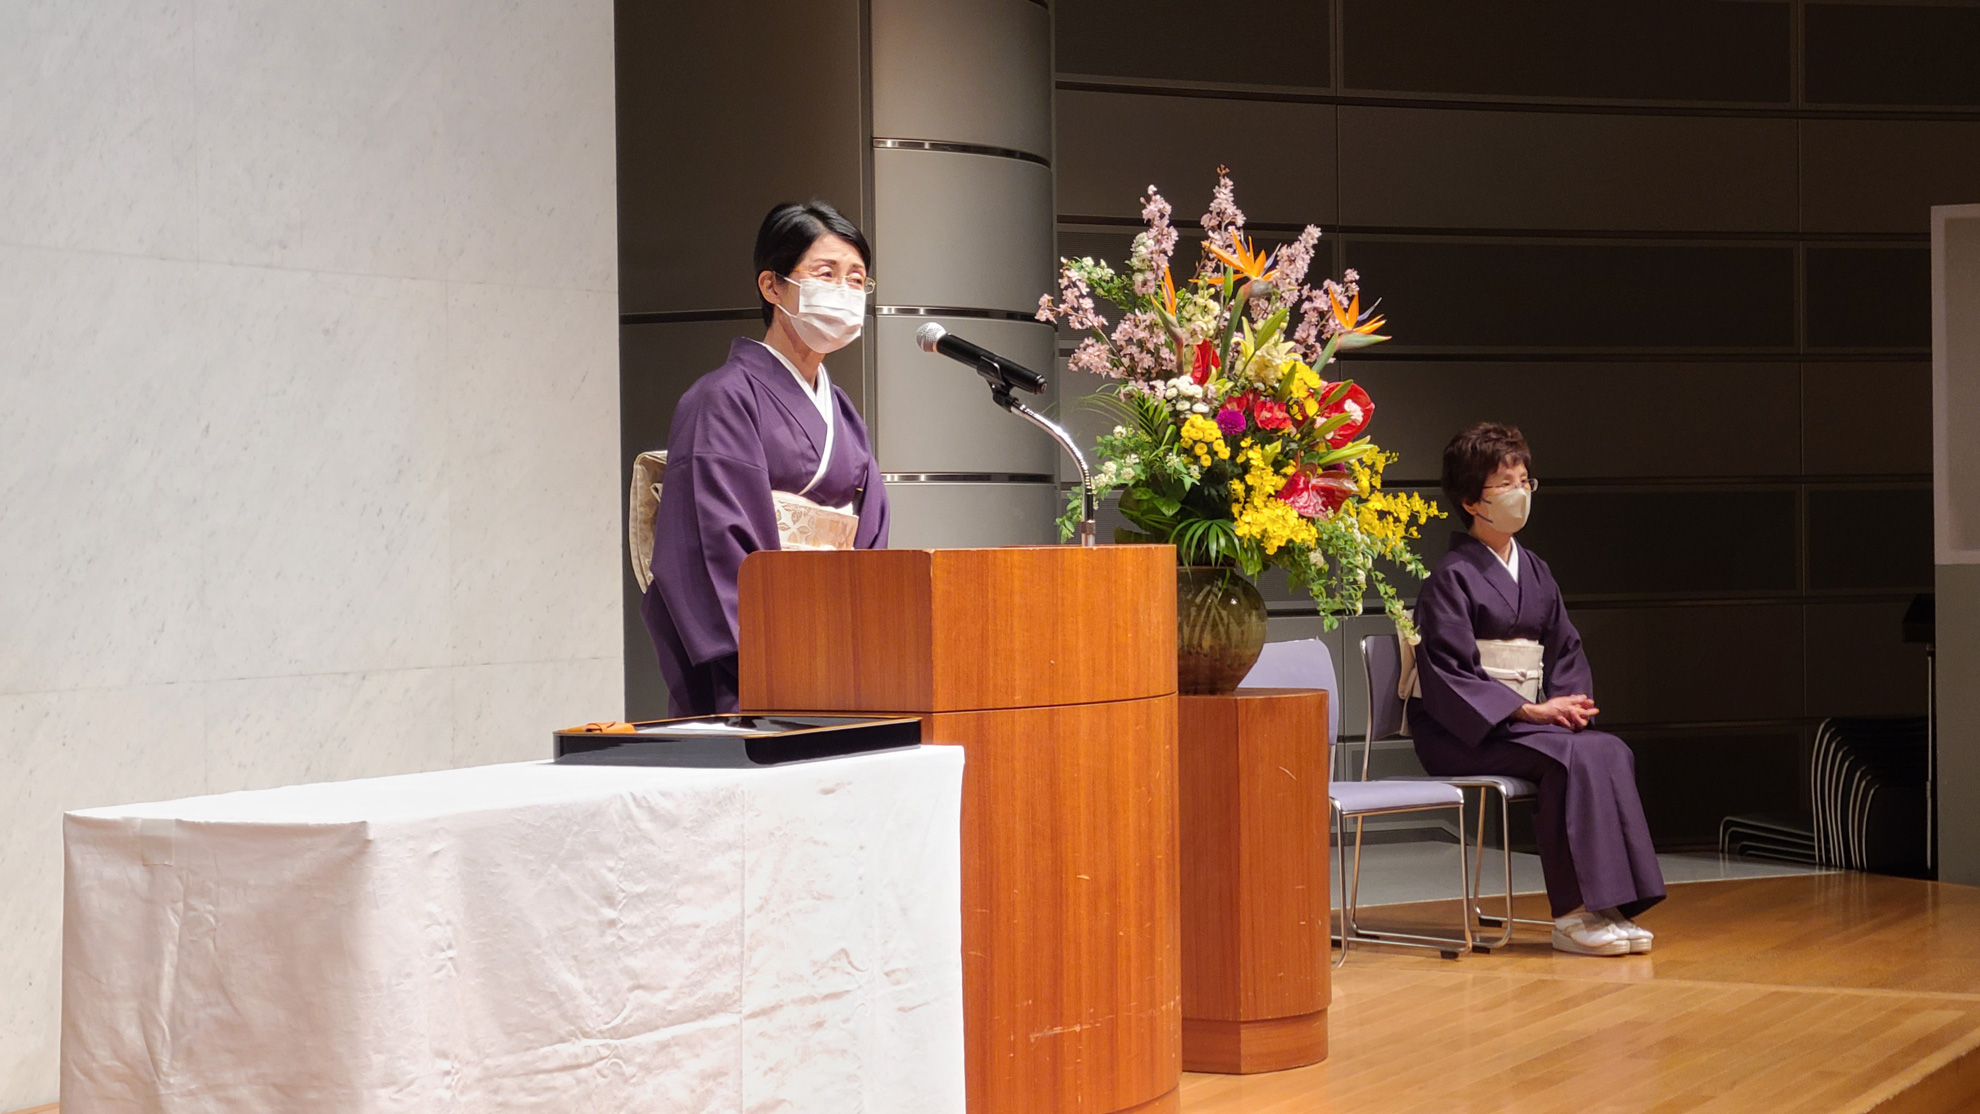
1530,484
858,281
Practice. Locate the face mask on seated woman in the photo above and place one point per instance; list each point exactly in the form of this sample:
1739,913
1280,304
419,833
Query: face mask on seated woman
1506,511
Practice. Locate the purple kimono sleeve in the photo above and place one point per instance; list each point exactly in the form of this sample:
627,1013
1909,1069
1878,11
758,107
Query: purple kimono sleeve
1565,666
1456,691
874,519
726,515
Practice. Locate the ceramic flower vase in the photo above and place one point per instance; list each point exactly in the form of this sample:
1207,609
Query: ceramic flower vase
1220,629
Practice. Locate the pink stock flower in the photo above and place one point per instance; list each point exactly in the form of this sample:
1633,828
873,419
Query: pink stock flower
1296,257
1149,257
1091,357
1142,348
1223,218
1075,303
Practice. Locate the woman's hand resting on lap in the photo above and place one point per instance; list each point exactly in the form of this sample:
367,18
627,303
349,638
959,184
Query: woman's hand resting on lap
1572,712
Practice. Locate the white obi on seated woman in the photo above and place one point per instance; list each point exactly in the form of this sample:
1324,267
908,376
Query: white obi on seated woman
1506,689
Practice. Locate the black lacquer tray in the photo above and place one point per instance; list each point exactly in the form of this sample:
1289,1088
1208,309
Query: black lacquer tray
735,741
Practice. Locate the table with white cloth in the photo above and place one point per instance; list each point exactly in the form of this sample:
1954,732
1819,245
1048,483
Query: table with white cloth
525,937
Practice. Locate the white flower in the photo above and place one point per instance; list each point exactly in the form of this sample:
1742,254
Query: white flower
1120,431
1199,408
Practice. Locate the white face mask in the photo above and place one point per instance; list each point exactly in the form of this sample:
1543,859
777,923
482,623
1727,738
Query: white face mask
1507,511
829,316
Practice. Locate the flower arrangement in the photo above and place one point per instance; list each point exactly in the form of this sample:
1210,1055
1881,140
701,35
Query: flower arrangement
1231,443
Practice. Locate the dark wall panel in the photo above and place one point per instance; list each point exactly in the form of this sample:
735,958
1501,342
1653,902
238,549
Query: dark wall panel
1182,40
1859,663
1870,297
1447,168
1441,293
1112,146
1870,538
1885,175
1680,50
1585,420
1893,54
1866,418
690,194
1692,780
1695,542
1694,664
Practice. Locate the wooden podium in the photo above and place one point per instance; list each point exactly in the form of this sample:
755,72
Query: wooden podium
1054,667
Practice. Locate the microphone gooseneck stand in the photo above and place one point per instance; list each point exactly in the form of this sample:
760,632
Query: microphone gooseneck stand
1004,376
1001,393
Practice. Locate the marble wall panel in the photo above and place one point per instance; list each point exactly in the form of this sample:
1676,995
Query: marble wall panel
323,518
269,731
100,574
307,410
453,140
505,713
531,144
97,117
321,135
535,500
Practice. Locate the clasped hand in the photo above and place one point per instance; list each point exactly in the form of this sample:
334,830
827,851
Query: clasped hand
1572,712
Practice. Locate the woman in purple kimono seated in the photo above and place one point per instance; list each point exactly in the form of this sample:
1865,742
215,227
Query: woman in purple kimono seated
1492,607
769,419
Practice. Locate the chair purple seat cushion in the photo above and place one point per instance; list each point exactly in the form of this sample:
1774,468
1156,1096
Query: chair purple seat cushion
1381,796
1514,788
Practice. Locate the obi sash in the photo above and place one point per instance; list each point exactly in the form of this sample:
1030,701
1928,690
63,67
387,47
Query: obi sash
801,523
1517,663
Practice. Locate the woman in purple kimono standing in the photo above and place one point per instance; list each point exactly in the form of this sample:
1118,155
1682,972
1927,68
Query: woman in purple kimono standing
769,419
1489,591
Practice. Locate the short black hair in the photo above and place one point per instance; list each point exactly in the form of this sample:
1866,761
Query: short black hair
788,232
1471,458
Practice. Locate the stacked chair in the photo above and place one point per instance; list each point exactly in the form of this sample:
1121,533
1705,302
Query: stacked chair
1308,664
1869,782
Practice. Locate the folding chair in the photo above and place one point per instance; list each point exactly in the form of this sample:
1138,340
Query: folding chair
1308,664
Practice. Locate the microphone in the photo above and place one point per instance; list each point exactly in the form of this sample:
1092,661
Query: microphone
1001,371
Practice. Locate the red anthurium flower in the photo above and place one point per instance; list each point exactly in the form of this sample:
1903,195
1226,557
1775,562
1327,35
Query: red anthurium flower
1316,494
1207,361
1356,404
1271,415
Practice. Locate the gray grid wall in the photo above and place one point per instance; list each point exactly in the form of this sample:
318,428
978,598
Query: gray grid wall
1682,245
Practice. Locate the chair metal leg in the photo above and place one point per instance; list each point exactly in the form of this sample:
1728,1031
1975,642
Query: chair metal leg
1347,921
1350,899
1505,841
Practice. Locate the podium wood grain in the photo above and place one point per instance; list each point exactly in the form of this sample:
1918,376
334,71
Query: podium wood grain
948,630
1254,816
1054,668
1071,947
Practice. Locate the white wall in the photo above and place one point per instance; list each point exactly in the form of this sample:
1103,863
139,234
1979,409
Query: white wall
308,410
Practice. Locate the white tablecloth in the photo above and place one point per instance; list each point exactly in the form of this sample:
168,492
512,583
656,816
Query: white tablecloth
527,937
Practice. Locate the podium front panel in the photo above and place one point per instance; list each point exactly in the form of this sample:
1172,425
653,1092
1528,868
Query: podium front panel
953,630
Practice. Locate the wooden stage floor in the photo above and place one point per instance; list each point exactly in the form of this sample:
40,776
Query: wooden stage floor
1825,992
1816,993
